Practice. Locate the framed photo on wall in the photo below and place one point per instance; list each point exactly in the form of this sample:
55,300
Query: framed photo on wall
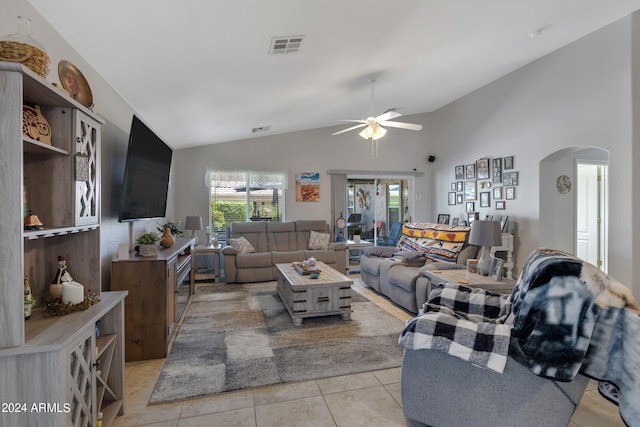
470,171
510,193
452,198
496,167
484,199
471,206
500,205
497,193
482,168
510,178
459,172
459,199
508,163
472,216
460,186
469,190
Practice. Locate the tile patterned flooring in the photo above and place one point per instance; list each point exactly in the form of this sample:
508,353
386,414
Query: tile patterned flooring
367,399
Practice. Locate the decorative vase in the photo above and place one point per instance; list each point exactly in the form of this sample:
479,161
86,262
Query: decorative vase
167,239
356,238
22,48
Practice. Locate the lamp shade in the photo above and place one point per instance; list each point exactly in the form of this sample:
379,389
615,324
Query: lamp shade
193,223
485,233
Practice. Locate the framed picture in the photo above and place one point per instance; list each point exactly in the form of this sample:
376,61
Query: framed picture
459,198
460,186
443,218
504,220
510,193
452,198
469,190
488,217
510,178
508,163
453,186
482,169
470,171
497,193
464,223
496,167
484,199
471,206
459,172
455,221
500,205
495,272
472,216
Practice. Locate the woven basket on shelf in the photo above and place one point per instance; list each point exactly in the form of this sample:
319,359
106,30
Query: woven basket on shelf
29,56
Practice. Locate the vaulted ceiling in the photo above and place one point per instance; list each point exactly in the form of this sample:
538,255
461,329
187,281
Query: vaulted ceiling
201,71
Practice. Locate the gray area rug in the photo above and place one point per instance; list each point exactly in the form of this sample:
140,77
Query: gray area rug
236,337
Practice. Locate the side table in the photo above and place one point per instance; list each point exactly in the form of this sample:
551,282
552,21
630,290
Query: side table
205,250
357,246
472,280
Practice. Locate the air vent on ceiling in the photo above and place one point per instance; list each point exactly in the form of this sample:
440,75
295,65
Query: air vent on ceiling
285,44
260,129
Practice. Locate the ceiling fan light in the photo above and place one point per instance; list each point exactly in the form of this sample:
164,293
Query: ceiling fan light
373,131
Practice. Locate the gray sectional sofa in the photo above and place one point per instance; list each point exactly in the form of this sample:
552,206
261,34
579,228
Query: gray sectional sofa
395,272
274,243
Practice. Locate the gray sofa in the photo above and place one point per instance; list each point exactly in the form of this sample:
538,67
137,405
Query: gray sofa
274,243
395,271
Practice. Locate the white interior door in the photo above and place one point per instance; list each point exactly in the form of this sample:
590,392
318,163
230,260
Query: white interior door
591,214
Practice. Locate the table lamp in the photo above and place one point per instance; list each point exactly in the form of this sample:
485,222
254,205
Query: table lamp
485,234
193,223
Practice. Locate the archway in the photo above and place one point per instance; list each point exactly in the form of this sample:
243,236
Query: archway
561,189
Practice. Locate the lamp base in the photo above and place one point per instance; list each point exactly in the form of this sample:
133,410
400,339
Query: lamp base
484,263
195,236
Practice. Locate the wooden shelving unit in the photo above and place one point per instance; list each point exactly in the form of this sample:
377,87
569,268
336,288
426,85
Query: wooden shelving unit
52,360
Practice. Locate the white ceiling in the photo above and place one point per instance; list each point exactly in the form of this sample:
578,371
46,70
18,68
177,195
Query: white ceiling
199,71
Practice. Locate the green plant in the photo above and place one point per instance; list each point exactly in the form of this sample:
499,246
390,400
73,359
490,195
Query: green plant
173,228
357,231
148,238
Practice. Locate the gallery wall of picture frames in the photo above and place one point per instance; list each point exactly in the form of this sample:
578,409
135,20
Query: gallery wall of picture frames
487,183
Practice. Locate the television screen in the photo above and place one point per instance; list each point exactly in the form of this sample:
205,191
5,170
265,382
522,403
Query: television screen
146,175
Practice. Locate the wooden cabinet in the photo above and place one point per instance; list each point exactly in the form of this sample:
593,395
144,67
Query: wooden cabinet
160,287
51,361
64,375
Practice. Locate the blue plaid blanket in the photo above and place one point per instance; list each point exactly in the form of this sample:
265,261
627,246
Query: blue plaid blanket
463,322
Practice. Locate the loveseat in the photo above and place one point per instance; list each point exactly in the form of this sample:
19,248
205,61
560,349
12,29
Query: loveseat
395,271
254,248
476,358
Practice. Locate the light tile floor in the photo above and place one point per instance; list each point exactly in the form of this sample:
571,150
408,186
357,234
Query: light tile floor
367,399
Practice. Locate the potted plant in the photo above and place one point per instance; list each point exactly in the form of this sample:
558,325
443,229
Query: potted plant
148,243
356,234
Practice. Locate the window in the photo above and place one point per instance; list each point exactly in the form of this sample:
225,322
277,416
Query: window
238,196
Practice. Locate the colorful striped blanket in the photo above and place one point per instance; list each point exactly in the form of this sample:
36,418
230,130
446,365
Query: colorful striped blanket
438,242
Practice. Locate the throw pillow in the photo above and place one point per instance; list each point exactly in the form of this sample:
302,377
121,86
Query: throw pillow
242,245
318,241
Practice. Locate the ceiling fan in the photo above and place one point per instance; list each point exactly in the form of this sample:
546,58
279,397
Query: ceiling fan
374,127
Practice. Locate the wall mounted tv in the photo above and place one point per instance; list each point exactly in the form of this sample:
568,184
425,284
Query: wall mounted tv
146,175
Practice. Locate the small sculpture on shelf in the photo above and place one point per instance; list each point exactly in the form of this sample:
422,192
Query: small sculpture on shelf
62,275
29,300
167,239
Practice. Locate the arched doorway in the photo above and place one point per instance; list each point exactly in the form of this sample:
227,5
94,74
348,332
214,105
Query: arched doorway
574,202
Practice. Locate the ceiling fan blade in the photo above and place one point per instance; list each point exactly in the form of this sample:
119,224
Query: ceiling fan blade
401,125
388,115
351,128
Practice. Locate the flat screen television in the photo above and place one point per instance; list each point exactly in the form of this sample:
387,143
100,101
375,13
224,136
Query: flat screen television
146,175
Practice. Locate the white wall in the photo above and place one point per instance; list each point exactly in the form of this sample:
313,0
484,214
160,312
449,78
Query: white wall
579,95
306,151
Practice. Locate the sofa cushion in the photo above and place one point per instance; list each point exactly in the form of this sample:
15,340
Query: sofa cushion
242,245
254,232
304,228
318,241
281,237
286,257
439,242
259,259
379,251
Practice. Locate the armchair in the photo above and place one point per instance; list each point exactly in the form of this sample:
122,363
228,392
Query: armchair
564,322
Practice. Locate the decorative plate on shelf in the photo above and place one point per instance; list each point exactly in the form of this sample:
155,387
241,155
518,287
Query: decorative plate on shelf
563,184
74,82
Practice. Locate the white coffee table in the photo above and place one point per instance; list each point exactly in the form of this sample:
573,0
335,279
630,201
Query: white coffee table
303,296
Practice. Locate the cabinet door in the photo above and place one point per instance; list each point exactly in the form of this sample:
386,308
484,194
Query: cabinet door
86,169
81,380
171,299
